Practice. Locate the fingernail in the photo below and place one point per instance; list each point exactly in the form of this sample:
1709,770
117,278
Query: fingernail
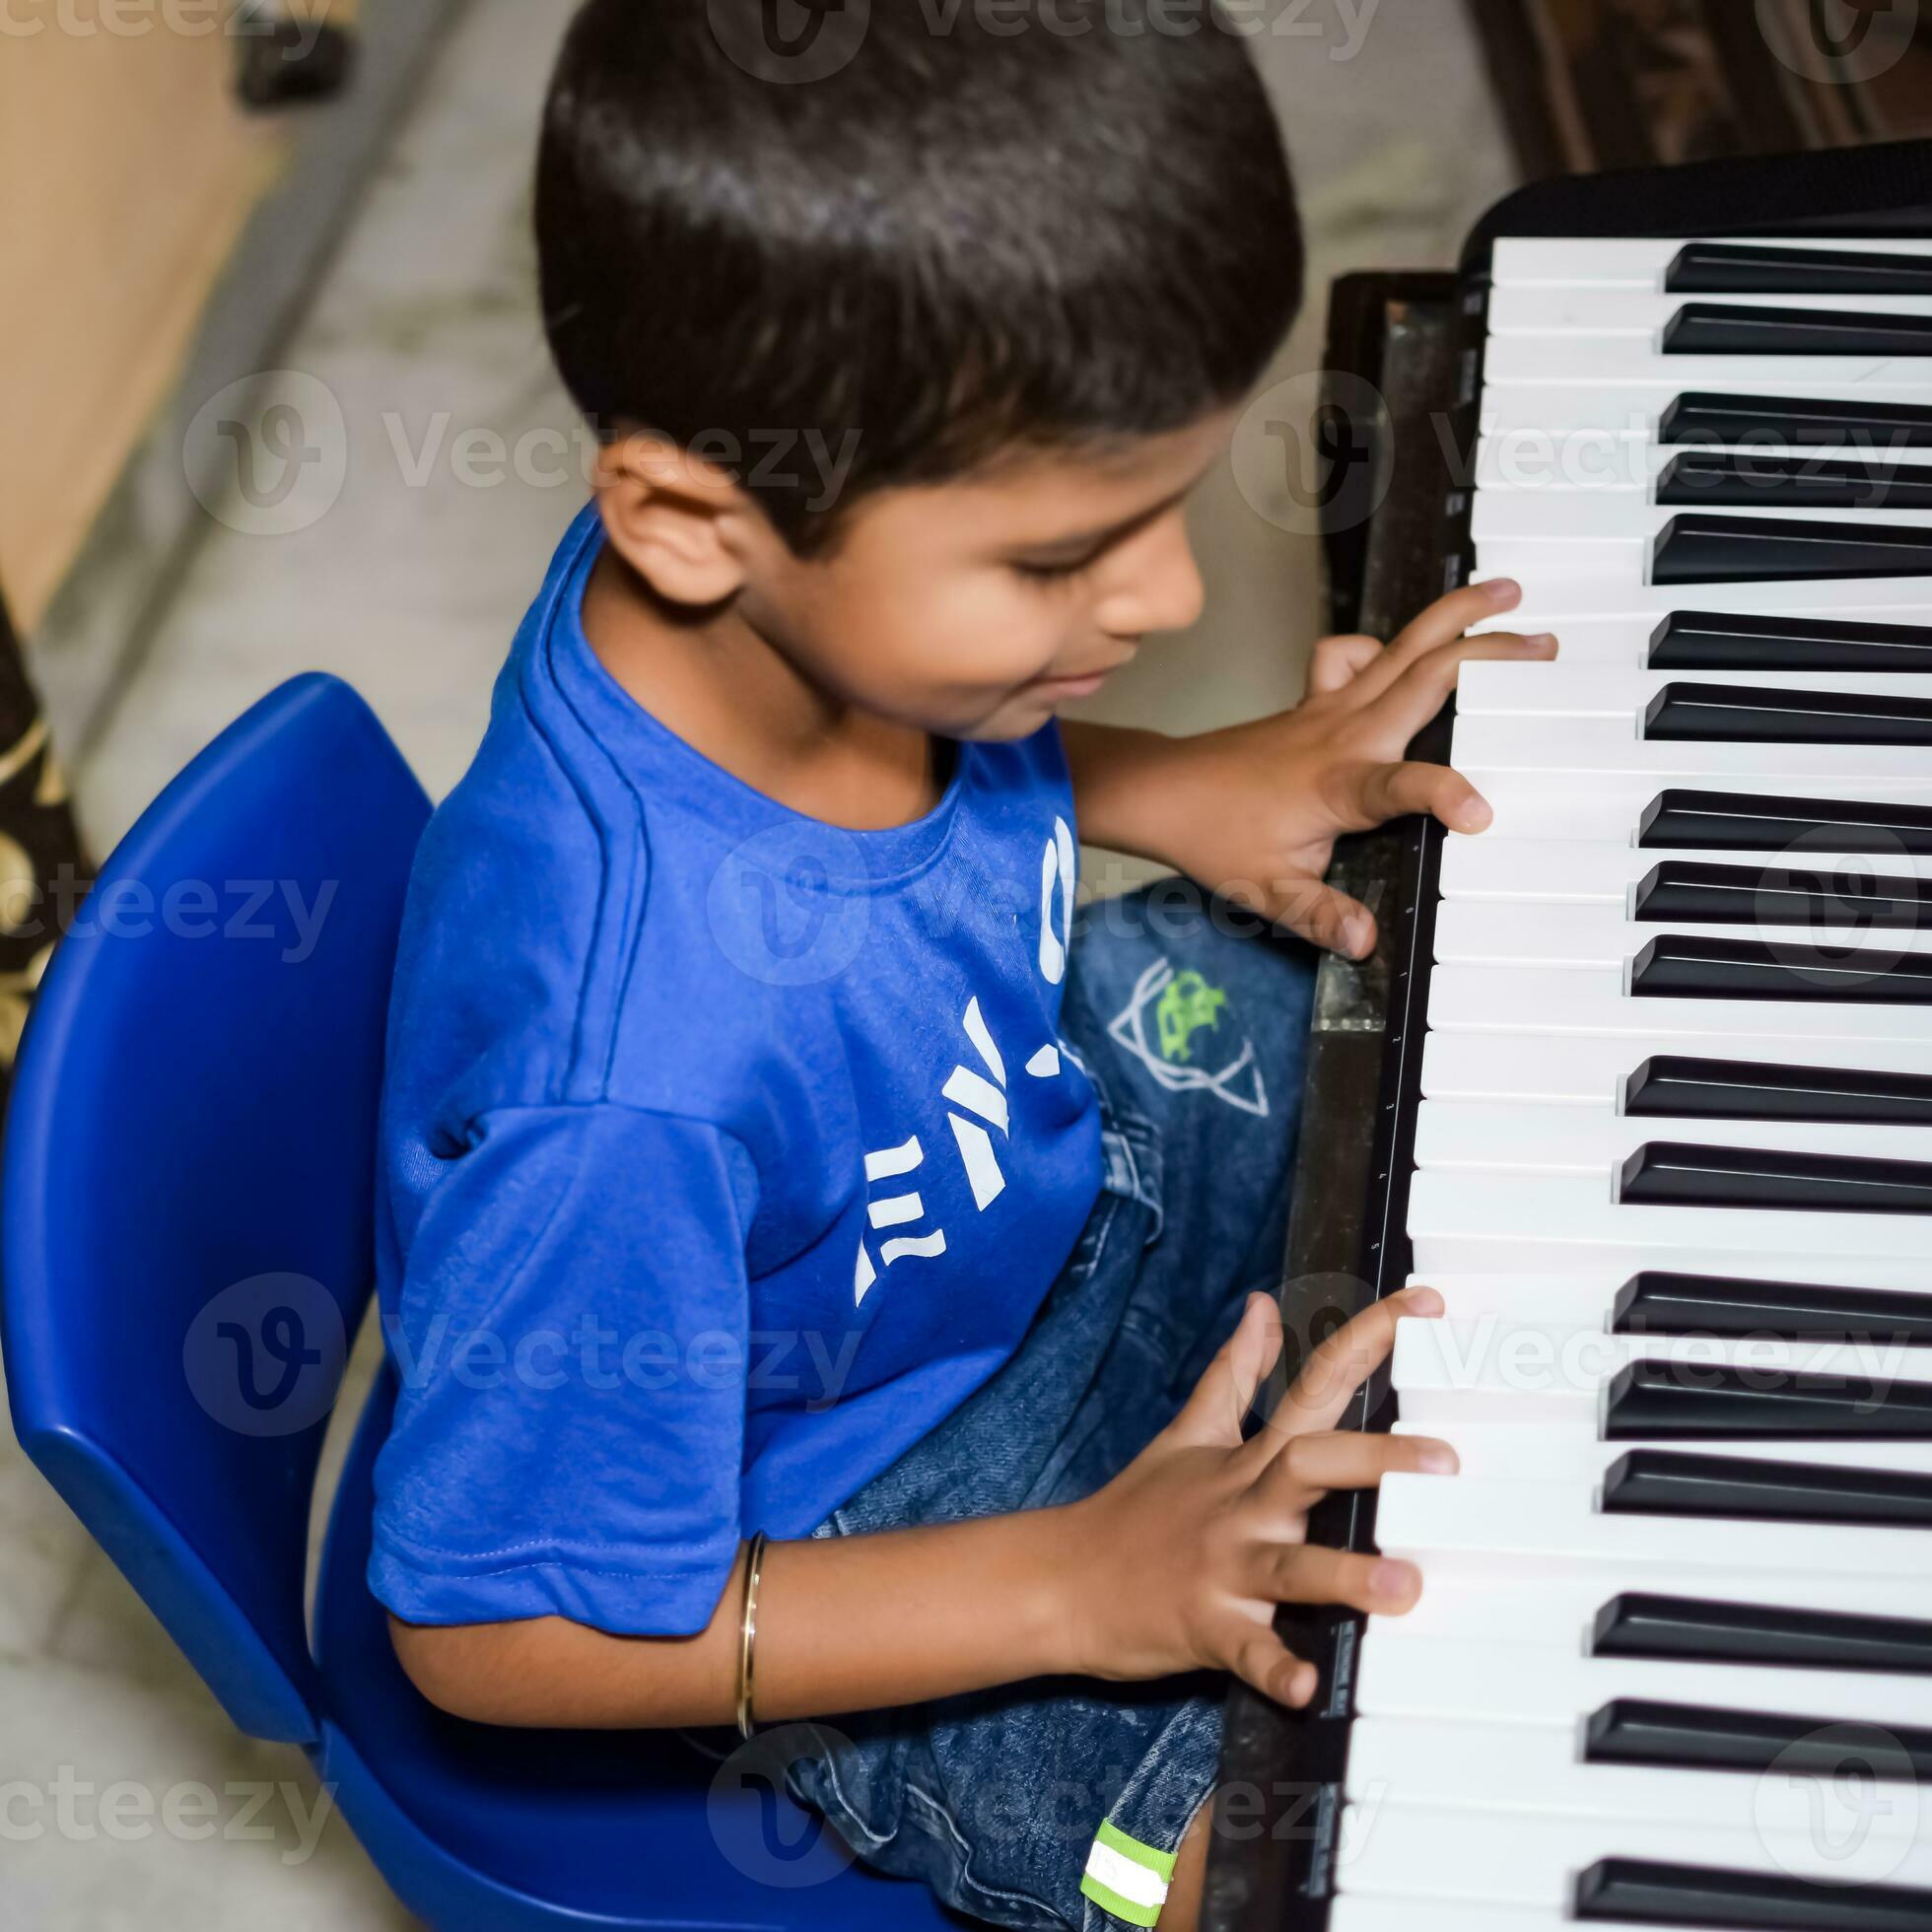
1393,1579
1476,817
1543,640
1357,937
1504,589
1425,1301
1438,1459
1304,1684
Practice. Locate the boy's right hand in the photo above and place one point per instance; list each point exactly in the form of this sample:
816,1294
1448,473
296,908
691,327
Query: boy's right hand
1182,1560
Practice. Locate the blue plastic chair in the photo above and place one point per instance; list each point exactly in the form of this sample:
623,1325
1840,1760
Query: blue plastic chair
187,1239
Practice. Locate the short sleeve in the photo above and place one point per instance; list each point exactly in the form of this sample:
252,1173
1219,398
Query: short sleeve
571,1335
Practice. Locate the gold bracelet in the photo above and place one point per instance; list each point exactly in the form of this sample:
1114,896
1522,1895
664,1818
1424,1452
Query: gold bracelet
748,1634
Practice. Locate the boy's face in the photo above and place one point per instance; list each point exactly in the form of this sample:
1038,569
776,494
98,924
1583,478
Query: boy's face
974,609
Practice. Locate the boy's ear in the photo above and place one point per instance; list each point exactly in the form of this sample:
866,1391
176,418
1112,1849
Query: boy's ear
675,519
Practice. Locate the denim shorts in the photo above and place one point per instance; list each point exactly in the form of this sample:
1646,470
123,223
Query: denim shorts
1195,1039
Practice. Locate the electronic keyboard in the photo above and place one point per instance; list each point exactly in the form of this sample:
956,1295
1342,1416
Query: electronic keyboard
1642,1082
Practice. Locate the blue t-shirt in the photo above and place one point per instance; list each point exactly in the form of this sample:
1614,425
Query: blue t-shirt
724,1153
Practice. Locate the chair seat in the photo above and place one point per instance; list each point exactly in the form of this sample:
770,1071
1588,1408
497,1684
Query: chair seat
480,1829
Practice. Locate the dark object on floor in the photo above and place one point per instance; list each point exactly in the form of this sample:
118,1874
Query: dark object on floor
42,872
1588,85
284,62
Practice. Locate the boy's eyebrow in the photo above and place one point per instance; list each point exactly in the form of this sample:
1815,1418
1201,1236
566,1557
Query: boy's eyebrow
1082,541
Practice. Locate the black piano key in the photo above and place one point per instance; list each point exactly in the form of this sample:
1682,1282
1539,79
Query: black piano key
1696,1737
1675,1483
1773,895
1710,641
1777,550
1677,1402
1748,821
1690,1629
1660,1302
1719,479
1736,268
1882,428
1720,329
1685,1085
1744,713
1675,1173
1682,967
1641,1892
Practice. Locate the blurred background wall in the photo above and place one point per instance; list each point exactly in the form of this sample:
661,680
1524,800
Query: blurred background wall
109,274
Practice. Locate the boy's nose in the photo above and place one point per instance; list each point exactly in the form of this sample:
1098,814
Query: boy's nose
1160,589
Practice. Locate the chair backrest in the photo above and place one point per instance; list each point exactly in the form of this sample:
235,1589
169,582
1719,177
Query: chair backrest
187,1225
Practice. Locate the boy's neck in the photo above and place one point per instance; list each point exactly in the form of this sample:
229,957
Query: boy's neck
729,693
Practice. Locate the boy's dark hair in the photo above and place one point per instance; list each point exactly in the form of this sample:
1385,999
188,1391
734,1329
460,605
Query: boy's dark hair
991,225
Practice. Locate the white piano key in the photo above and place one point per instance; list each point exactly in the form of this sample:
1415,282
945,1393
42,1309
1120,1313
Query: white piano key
1531,559
1348,1913
1581,1299
1463,1599
1571,309
1492,933
1616,364
1556,1530
1432,1677
1629,519
1578,871
1530,460
1552,1071
1463,1223
1468,1766
1584,414
1616,566
1640,262
1495,689
1585,999
1556,592
1531,804
1482,1138
1427,1854
1530,1375
1530,744
1528,1452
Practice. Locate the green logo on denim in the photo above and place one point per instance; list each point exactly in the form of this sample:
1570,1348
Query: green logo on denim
1189,1004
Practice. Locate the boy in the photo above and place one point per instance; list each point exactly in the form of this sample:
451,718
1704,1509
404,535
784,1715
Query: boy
763,1155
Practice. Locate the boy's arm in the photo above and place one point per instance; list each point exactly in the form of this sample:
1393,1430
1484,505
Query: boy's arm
1254,812
1177,1564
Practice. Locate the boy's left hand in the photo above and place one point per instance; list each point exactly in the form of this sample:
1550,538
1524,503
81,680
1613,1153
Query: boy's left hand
1259,806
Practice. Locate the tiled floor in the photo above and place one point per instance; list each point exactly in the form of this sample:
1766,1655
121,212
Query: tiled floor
410,587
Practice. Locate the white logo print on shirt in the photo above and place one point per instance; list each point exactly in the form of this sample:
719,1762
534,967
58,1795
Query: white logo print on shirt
978,1095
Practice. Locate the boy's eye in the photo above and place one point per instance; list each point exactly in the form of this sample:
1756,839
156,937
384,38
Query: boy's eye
1054,573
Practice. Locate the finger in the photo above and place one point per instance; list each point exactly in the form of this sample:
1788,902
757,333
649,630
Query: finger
1312,1573
1324,917
1338,1368
1225,1394
1450,616
1310,1466
1337,661
1394,790
1407,694
1488,645
1259,1658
